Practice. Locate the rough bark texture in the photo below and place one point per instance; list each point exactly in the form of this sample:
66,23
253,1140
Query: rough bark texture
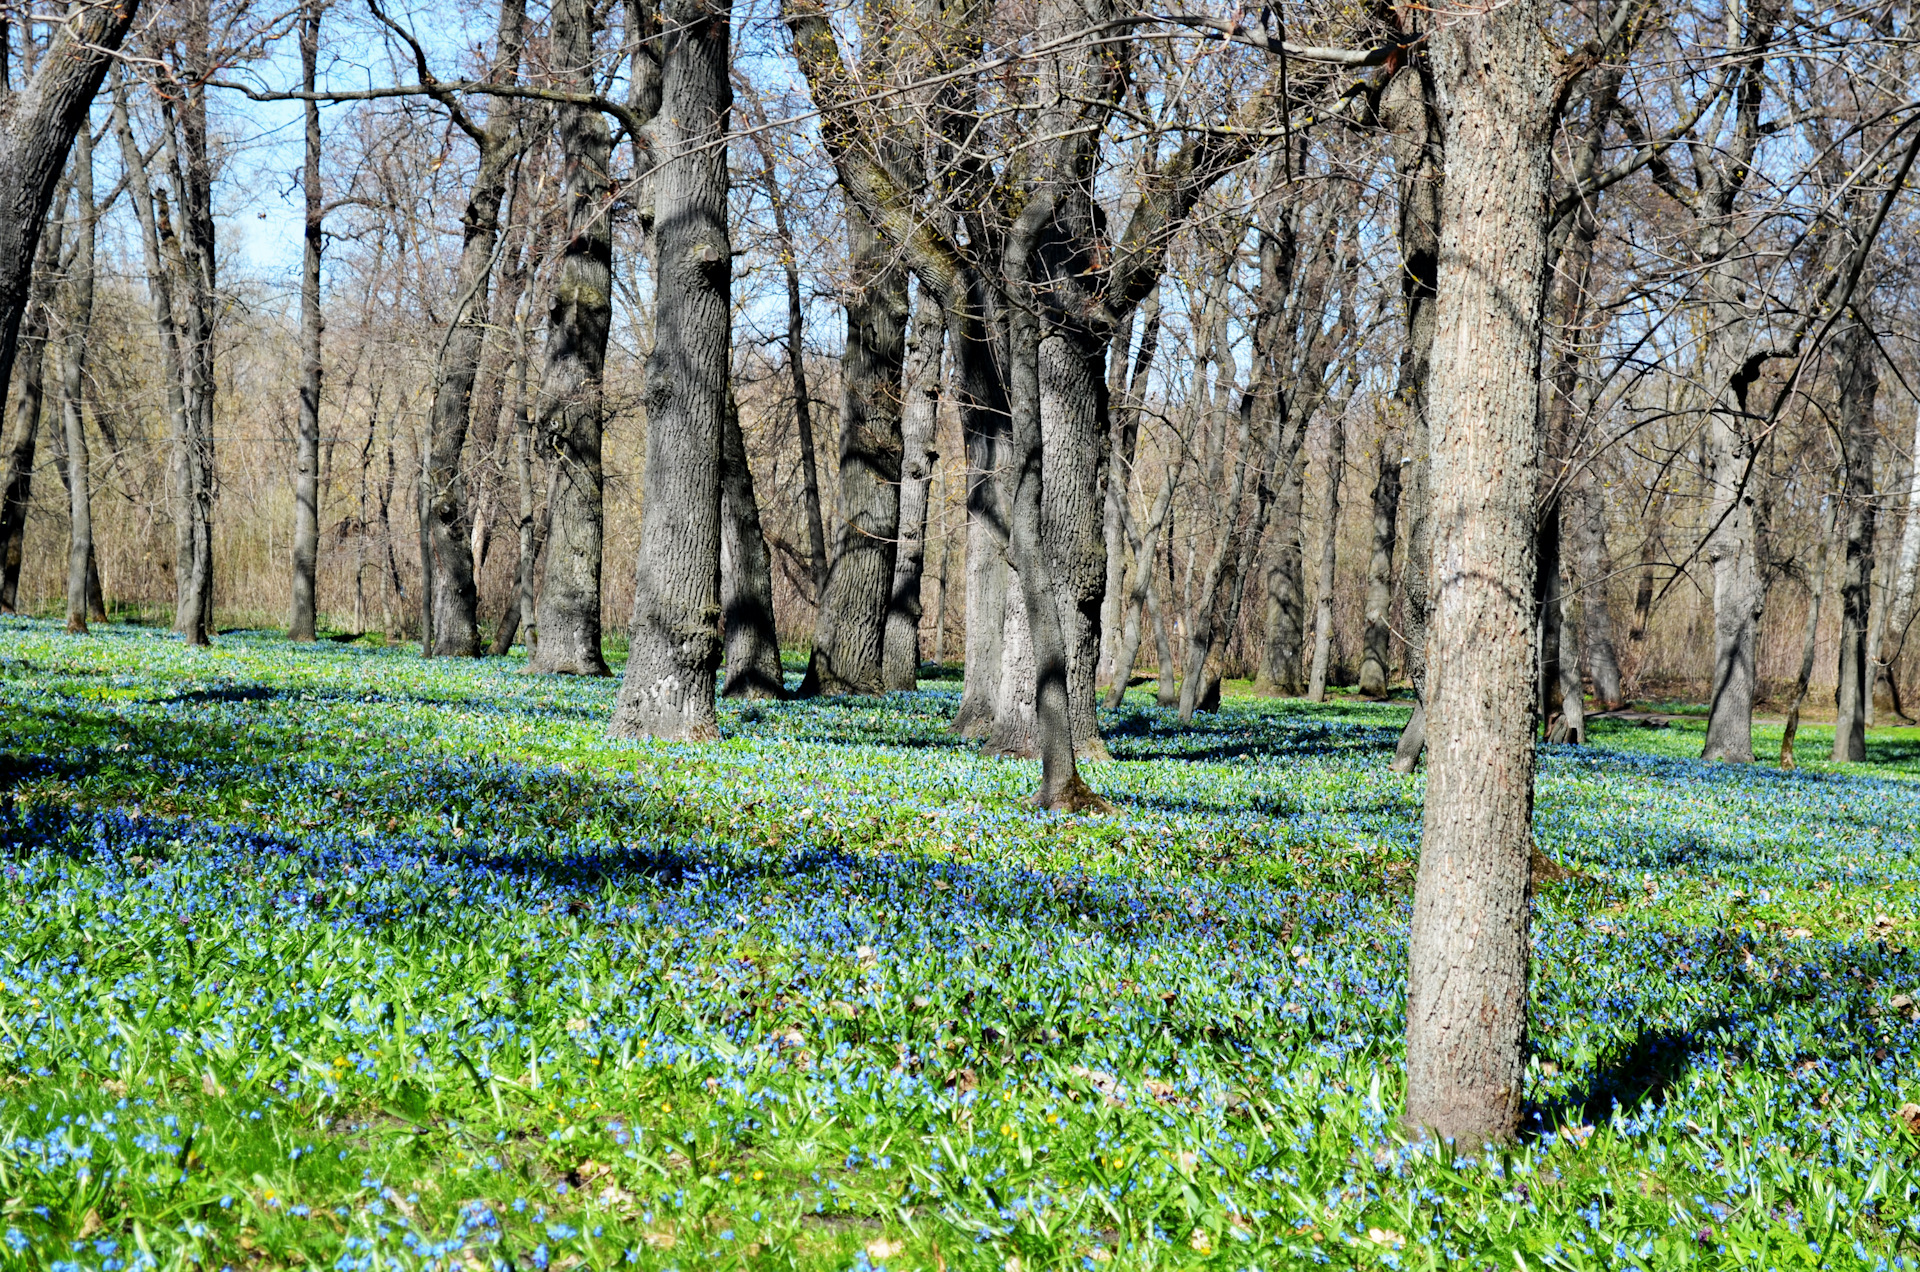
37,127
746,576
1283,653
1859,374
306,465
1375,641
1010,733
1733,546
919,416
1412,110
572,383
1585,517
850,635
455,602
73,364
1073,437
193,605
1468,949
17,494
674,639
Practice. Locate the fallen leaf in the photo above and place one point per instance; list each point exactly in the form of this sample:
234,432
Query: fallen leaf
1386,1237
1200,1241
1910,1114
1904,1004
884,1248
660,1240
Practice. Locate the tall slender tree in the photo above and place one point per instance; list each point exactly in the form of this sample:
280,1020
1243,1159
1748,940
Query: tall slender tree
306,484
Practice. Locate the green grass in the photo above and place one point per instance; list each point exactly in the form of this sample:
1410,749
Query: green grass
331,955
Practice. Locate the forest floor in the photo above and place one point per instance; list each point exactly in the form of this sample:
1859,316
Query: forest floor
329,955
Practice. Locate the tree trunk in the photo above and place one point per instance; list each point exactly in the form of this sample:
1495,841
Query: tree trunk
1073,438
37,127
675,647
919,417
1810,641
1586,514
1547,611
572,383
166,328
1282,652
1011,732
193,608
27,404
454,599
1572,707
306,481
73,357
1468,948
1140,597
746,575
1859,375
988,579
1323,623
1375,643
1906,571
850,634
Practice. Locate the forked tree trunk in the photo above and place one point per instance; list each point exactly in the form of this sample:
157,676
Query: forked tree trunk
306,478
73,359
746,575
1468,948
919,417
454,598
1859,375
674,640
572,383
850,632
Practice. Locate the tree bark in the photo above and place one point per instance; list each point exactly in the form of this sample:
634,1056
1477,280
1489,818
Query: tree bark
306,481
1073,439
17,495
1468,949
1139,596
1412,107
1282,653
920,416
674,644
1376,640
1859,375
193,607
1323,622
522,604
850,634
37,127
746,576
1906,571
454,599
570,406
73,358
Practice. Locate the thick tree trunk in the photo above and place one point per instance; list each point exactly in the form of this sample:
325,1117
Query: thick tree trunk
674,643
850,634
306,479
919,417
1011,732
1073,438
1061,786
1738,590
1468,949
1859,375
454,598
572,383
1323,607
17,495
746,575
988,578
37,127
1376,640
193,607
73,358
